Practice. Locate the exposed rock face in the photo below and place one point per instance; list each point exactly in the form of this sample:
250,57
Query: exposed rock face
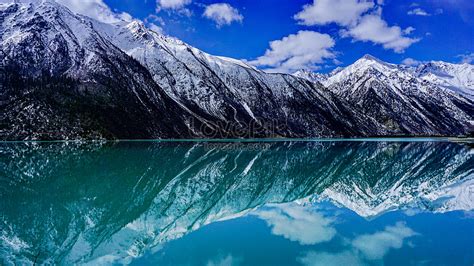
67,76
61,79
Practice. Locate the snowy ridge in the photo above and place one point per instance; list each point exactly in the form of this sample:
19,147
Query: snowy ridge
453,197
456,77
396,97
166,88
311,76
366,63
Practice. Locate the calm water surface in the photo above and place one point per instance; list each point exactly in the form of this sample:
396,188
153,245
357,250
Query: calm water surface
269,203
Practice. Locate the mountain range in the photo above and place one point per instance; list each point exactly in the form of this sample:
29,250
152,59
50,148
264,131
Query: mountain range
68,76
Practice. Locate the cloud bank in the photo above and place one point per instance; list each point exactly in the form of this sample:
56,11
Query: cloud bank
418,12
364,249
172,4
298,223
296,51
360,20
372,28
342,12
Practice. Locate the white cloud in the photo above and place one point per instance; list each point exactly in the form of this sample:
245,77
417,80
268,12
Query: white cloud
364,249
418,12
375,246
342,12
154,23
298,223
373,28
228,260
411,62
155,28
467,58
330,259
359,19
336,62
304,49
222,14
408,30
172,4
154,18
96,9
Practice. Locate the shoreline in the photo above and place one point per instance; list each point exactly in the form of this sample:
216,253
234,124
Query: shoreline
264,140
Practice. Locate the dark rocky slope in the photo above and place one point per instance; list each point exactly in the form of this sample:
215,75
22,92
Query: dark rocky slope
66,76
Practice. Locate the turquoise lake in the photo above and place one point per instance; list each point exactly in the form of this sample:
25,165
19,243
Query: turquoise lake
378,202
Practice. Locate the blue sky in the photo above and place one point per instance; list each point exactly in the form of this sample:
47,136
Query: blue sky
319,34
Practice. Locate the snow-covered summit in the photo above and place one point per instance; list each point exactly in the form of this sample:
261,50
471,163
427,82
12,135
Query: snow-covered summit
368,64
456,77
124,66
398,96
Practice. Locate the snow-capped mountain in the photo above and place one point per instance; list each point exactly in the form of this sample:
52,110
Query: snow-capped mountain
232,91
69,76
222,96
311,76
456,77
396,97
61,79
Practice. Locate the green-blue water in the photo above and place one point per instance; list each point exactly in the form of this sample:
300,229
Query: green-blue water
251,203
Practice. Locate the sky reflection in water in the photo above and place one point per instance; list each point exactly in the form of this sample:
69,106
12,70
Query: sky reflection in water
284,203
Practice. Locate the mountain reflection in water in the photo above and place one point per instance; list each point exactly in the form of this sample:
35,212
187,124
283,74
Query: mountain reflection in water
129,202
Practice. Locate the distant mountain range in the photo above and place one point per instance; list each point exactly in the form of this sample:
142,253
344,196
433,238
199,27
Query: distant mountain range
458,78
67,76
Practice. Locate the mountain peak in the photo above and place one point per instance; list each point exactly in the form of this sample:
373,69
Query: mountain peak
135,24
150,85
361,66
139,30
370,57
136,27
